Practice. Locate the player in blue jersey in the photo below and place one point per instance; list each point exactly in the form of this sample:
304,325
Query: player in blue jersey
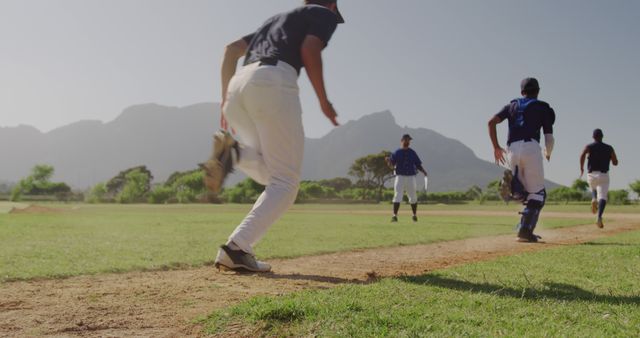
260,102
526,116
600,155
406,164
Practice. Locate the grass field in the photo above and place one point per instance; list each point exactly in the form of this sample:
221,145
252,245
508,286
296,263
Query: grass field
88,239
589,290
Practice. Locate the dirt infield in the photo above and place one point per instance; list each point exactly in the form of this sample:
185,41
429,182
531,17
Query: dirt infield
166,303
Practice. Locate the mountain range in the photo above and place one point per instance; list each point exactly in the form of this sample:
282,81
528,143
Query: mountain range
169,139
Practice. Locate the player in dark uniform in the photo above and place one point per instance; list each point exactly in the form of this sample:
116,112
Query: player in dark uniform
261,104
406,164
600,155
526,116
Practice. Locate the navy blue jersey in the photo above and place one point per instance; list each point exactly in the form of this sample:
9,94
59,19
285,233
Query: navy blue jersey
406,162
599,157
526,117
281,36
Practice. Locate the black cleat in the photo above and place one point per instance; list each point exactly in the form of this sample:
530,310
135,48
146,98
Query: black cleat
229,259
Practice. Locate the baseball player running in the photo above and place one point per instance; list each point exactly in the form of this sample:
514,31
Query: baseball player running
600,155
406,164
526,116
260,103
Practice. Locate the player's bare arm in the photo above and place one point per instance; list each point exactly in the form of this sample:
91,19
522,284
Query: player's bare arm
422,170
614,158
582,158
549,142
311,52
498,152
232,53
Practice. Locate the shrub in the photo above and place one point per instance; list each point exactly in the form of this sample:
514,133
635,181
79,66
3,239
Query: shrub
447,197
246,191
98,194
338,184
135,188
565,194
312,190
619,196
161,195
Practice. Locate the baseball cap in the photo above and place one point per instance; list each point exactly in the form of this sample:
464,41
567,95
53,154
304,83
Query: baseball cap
326,2
406,136
597,133
529,84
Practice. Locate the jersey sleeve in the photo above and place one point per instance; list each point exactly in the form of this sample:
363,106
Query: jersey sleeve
394,157
504,113
322,23
247,38
548,120
416,159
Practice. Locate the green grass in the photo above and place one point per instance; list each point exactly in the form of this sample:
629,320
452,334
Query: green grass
89,239
590,290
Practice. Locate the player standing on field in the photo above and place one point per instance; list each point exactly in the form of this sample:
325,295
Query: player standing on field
600,154
406,164
526,116
261,104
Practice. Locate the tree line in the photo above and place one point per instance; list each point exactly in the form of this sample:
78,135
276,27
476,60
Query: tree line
371,176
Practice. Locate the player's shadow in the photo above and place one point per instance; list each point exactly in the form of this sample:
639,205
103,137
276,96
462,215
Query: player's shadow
313,278
608,244
547,290
302,277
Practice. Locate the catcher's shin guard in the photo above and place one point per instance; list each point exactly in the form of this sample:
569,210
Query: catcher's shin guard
530,216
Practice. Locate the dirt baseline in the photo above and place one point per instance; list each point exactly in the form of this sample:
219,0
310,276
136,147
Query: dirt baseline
165,303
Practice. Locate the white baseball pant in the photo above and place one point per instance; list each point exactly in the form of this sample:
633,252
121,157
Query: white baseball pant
405,183
527,156
599,182
263,107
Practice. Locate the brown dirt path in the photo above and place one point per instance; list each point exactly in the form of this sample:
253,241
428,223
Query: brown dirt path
165,303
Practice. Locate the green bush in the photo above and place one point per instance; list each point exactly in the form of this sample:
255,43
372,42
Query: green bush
347,194
635,187
193,180
246,191
312,190
235,195
16,193
447,197
135,188
98,194
619,196
387,195
565,194
187,195
338,184
161,195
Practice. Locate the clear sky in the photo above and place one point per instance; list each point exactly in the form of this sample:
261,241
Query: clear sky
443,65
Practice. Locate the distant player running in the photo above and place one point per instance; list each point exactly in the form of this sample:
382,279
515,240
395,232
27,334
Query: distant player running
406,164
526,115
600,155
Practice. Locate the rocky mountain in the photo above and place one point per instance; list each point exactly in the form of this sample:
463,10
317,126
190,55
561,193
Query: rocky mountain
168,139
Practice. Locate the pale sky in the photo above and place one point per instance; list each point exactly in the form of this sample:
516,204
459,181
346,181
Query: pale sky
443,65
